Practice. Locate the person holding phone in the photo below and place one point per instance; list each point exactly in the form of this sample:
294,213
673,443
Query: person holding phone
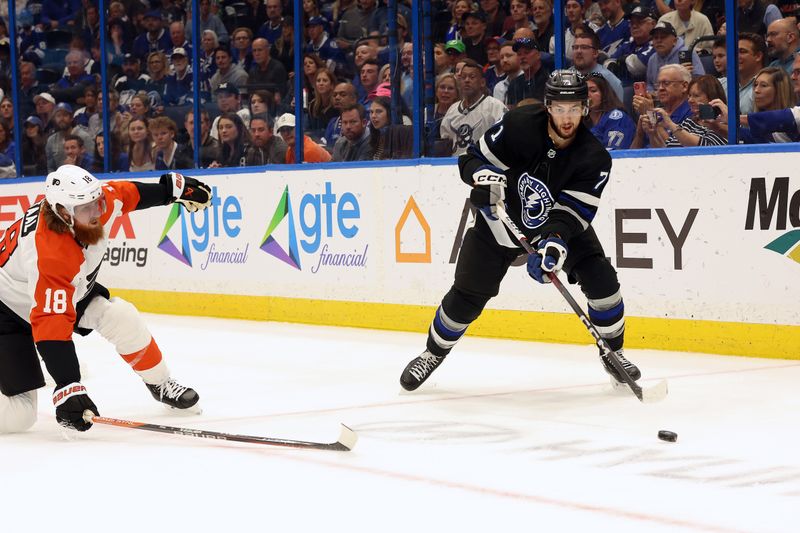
673,88
701,128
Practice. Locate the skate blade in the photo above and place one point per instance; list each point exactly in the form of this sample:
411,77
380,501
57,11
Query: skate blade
196,409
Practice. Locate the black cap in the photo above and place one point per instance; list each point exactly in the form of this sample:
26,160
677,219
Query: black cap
642,12
227,88
130,58
480,15
525,42
665,27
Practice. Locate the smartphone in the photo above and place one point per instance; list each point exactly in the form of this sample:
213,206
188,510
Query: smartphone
684,56
640,88
708,112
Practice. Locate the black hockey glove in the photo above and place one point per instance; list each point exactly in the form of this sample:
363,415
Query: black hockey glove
71,401
489,189
550,255
193,194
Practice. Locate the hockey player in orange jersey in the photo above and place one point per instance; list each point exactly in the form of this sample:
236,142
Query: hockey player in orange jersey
49,261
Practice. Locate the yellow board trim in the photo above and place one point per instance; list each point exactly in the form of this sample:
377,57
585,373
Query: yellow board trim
726,338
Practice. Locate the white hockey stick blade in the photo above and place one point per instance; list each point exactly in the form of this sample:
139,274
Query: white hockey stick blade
656,393
347,437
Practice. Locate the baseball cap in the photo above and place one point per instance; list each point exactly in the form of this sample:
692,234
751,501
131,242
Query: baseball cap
456,45
480,15
664,26
525,42
284,121
44,96
153,14
496,39
316,21
179,52
227,88
34,120
130,58
63,106
642,12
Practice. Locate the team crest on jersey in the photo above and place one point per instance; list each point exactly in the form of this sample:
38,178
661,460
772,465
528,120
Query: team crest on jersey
536,201
615,115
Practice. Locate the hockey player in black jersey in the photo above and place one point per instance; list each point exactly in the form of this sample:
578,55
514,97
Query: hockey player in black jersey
550,171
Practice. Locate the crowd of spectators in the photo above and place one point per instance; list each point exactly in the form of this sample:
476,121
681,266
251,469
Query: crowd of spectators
656,71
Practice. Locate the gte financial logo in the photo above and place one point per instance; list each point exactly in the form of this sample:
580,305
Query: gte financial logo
778,206
186,234
319,215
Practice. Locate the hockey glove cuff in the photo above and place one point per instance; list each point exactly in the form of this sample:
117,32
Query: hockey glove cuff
550,255
70,402
193,194
489,189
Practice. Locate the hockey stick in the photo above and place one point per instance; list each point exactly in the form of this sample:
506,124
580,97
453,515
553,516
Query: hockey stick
347,437
652,394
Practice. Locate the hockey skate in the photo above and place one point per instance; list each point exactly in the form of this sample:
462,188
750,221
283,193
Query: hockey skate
419,369
630,368
173,394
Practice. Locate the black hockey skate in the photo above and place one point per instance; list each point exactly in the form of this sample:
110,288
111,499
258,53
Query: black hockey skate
419,369
173,394
629,367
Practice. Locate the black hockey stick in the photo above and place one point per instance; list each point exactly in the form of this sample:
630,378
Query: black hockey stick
652,394
347,437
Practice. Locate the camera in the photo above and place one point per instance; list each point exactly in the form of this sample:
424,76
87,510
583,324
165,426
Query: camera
708,112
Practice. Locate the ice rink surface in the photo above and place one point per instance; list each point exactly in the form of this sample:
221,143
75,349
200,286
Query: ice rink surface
506,436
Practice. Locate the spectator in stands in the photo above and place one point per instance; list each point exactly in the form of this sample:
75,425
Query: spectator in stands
467,121
210,21
388,141
365,50
265,148
311,9
272,29
312,152
84,114
29,87
178,86
447,94
171,12
534,75
719,53
353,145
320,43
454,31
542,11
132,80
140,105
755,16
7,112
673,90
693,131
689,24
456,52
495,16
509,66
783,43
520,17
353,24
369,78
156,39
320,109
115,118
668,47
241,51
633,55
266,73
209,146
117,42
772,90
7,148
34,159
440,59
256,15
474,36
54,148
584,56
752,56
576,17
140,146
407,75
117,11
795,77
492,72
165,150
45,109
283,47
616,30
227,71
157,71
607,118
70,87
178,40
344,95
229,101
75,153
60,13
116,158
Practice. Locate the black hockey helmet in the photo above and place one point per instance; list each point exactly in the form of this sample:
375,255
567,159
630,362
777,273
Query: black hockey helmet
566,85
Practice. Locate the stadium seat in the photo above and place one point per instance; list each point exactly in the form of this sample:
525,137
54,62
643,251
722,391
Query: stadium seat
57,38
47,76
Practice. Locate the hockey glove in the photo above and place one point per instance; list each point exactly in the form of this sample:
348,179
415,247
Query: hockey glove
193,194
71,401
549,257
489,189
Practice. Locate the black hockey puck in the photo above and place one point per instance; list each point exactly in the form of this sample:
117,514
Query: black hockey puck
669,436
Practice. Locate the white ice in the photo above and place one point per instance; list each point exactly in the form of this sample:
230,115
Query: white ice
506,436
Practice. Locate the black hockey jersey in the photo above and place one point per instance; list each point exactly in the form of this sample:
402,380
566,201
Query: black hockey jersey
549,190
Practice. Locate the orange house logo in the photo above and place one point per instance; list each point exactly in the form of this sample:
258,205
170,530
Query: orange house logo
406,256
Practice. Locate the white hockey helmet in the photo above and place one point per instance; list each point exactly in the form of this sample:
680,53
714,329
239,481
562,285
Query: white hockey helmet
71,186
